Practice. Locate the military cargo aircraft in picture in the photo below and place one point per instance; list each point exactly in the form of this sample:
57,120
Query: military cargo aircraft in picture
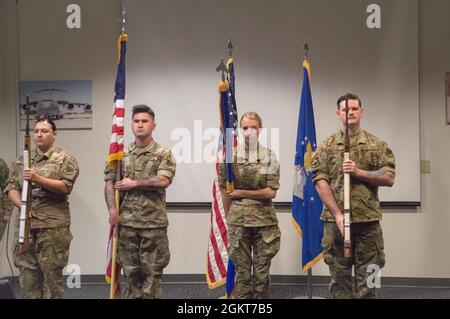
50,108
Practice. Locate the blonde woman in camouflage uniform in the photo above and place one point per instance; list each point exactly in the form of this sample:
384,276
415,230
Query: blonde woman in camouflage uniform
253,233
372,165
52,174
148,169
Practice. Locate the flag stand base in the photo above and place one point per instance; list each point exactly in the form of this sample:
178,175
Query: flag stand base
309,288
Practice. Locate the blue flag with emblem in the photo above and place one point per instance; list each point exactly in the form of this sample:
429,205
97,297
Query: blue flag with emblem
306,203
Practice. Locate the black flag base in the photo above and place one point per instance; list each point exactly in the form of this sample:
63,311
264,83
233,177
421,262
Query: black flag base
309,288
6,290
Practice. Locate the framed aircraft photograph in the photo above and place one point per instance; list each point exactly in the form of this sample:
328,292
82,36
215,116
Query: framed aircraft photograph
67,103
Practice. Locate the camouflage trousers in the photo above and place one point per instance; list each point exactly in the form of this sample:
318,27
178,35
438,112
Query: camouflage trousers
367,256
261,242
41,267
5,207
143,254
2,227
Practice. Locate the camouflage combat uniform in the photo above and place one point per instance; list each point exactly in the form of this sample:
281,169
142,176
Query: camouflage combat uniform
252,224
143,243
5,204
370,154
41,267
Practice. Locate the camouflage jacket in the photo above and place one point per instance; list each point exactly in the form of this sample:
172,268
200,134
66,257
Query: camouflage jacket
5,204
252,171
49,210
144,208
370,154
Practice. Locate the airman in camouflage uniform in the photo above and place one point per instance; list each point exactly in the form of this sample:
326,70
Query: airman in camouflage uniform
253,232
5,204
148,169
52,176
372,165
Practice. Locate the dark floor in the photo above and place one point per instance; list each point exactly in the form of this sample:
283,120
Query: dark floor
277,291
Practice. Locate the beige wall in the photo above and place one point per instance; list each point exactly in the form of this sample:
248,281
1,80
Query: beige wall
67,55
2,45
8,91
8,87
415,240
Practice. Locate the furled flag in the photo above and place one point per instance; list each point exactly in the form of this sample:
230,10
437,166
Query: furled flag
116,149
230,120
306,203
116,143
220,269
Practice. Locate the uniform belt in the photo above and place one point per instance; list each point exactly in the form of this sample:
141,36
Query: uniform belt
37,230
41,230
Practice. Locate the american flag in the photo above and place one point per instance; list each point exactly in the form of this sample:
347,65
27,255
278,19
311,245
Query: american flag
220,269
116,151
116,143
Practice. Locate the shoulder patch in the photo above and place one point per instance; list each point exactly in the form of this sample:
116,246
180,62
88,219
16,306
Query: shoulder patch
315,163
69,169
389,152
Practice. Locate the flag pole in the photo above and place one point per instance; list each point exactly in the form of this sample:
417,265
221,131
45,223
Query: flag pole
124,19
310,283
306,48
309,287
114,275
113,289
230,48
231,270
228,121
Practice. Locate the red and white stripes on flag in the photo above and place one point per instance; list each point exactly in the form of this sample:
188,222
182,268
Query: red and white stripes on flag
217,245
116,142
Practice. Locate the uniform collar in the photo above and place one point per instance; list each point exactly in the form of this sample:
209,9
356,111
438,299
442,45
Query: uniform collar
257,155
39,154
360,137
146,149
